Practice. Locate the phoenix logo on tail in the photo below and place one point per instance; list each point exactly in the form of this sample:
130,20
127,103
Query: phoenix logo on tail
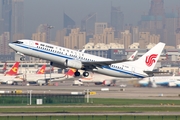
42,70
150,59
13,70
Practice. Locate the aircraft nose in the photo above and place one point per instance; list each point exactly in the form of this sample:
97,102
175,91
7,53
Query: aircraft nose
10,44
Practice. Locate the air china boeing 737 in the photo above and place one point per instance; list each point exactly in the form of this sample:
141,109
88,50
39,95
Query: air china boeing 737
68,58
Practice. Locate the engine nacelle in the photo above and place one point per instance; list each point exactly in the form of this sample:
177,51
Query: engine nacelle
172,84
107,82
9,82
73,64
41,82
57,65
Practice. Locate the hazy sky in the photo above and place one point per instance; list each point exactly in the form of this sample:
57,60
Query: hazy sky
50,12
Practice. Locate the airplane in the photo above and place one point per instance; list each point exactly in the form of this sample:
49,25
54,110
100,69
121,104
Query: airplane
15,77
99,79
67,58
10,75
171,81
4,68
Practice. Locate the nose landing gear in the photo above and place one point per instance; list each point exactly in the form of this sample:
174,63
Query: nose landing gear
22,58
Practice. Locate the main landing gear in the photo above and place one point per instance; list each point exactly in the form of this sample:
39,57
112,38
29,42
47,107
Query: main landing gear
22,58
85,74
77,74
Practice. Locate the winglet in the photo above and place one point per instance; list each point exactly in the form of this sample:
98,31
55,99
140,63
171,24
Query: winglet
13,70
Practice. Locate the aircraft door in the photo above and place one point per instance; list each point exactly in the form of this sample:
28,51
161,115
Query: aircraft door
133,69
30,44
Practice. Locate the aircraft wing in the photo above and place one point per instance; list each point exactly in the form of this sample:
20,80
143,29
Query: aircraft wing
151,73
94,64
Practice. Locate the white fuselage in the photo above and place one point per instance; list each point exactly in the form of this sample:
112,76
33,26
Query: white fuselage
59,55
37,77
5,79
160,80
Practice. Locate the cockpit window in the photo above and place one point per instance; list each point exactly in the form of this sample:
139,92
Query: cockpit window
18,42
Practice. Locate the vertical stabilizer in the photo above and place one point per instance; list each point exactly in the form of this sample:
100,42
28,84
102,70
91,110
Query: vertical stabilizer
150,58
41,70
133,55
13,70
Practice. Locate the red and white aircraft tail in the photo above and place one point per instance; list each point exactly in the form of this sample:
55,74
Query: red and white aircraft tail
41,70
13,70
148,61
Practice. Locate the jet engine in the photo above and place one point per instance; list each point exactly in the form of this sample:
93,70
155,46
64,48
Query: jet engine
73,64
107,82
9,82
41,82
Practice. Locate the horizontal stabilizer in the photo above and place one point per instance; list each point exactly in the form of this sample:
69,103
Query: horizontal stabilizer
151,73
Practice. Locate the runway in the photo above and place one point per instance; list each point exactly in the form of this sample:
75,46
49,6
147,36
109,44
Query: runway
129,92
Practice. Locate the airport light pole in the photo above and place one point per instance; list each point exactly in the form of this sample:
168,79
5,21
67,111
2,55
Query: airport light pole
87,95
30,97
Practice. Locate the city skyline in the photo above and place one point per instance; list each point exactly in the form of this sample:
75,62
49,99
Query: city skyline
51,12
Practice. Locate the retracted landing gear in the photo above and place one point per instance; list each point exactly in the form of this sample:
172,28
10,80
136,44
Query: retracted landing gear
22,58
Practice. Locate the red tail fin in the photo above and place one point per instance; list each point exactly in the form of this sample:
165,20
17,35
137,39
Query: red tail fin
41,70
13,70
71,72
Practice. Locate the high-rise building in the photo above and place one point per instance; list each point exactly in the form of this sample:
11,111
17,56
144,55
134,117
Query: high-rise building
75,40
60,34
12,20
45,30
6,15
99,27
157,8
170,28
126,38
88,24
106,37
117,19
68,22
17,29
135,34
153,22
4,41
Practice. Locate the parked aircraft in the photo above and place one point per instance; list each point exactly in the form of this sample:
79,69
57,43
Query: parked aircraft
39,77
68,58
171,81
10,75
15,77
